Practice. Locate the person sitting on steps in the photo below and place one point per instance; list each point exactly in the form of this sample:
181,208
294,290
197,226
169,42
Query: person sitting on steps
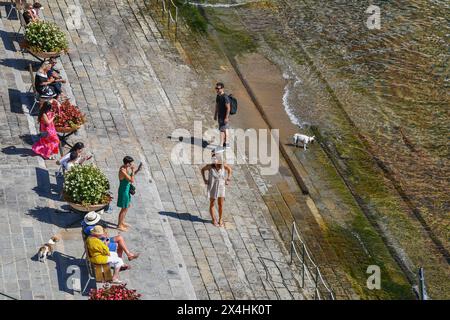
99,253
115,244
57,80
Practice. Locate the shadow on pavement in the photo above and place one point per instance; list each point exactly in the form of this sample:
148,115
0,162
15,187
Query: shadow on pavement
23,152
184,216
69,268
59,218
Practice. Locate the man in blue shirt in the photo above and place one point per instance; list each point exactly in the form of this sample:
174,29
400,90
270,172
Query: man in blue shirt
116,244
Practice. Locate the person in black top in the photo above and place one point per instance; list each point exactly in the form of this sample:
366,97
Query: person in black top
28,14
222,114
43,83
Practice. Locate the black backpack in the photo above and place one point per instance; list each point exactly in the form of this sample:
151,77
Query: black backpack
233,104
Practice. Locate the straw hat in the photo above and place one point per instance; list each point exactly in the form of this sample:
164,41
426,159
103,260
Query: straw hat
92,218
97,231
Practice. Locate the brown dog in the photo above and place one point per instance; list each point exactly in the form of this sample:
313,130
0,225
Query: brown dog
47,249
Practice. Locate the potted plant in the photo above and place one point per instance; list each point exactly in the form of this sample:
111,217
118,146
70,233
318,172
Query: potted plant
115,292
45,39
86,188
68,118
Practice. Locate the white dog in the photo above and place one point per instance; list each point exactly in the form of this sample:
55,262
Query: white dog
304,139
47,249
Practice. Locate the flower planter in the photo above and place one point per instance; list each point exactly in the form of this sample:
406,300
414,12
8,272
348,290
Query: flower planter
94,207
86,188
67,129
40,54
68,118
45,39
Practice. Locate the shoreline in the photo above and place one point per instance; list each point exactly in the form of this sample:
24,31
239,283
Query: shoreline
342,186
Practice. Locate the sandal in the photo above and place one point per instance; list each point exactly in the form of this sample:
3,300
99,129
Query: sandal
222,224
125,267
215,223
134,256
117,281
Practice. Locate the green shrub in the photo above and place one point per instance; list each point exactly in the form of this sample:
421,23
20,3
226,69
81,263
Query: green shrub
192,16
44,36
86,185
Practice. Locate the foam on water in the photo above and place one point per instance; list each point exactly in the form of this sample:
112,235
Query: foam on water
221,5
290,76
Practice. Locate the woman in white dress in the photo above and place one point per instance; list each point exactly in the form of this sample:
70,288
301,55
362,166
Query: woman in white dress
219,175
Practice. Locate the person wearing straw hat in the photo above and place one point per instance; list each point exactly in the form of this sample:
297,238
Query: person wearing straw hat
116,244
99,253
216,184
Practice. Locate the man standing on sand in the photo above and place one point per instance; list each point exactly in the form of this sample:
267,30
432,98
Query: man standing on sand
222,114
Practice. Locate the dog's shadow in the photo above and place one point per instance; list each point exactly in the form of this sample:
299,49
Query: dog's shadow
35,258
293,145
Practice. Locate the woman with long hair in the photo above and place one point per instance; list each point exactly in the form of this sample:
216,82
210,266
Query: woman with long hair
43,83
48,144
77,149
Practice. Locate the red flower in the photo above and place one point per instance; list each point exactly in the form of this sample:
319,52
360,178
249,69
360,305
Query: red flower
114,292
67,115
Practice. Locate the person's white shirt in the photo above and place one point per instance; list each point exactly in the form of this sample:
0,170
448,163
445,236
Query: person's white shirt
70,165
64,161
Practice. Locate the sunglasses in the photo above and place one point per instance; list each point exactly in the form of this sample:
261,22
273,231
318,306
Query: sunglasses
218,88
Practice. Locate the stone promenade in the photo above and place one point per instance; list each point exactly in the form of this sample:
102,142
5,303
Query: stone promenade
115,76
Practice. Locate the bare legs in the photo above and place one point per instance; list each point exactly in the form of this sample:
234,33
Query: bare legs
223,137
220,202
121,248
122,226
115,276
211,211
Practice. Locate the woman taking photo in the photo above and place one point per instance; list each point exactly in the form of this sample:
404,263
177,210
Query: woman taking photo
126,177
78,149
216,182
48,144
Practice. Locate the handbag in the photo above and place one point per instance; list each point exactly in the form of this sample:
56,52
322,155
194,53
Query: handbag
47,91
132,189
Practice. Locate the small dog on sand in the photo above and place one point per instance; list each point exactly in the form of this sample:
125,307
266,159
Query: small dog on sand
47,249
301,138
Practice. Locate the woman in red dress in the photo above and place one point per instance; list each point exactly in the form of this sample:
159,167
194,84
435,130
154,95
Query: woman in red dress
48,144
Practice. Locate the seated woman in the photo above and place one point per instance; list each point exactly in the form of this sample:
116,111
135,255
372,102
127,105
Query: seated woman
77,149
43,83
29,14
99,253
116,244
72,161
